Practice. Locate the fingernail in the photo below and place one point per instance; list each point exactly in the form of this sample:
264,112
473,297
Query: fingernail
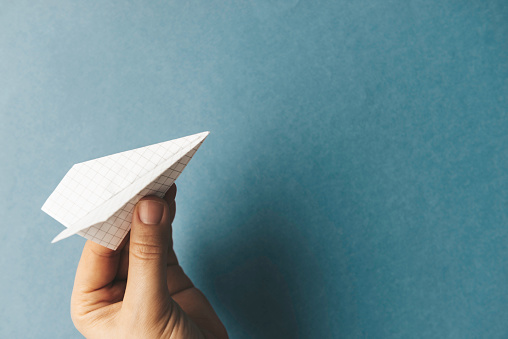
150,212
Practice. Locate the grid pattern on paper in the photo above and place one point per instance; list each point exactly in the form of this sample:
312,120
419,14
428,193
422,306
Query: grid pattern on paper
111,232
91,185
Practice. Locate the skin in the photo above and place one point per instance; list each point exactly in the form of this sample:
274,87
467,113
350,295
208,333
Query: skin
140,290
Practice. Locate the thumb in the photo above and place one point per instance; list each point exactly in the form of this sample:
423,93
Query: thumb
148,248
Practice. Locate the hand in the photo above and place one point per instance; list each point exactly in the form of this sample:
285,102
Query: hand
140,290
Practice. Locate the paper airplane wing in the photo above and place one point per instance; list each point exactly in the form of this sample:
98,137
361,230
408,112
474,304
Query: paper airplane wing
96,198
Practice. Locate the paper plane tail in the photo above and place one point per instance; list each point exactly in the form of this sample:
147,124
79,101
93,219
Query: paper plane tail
64,234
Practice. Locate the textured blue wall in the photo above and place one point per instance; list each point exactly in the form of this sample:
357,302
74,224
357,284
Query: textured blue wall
354,184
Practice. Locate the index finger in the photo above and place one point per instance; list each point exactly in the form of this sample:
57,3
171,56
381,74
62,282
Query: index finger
97,267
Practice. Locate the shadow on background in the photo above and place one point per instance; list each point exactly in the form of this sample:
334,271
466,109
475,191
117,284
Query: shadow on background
262,272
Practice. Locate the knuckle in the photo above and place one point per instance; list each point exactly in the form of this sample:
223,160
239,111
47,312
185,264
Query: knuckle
146,250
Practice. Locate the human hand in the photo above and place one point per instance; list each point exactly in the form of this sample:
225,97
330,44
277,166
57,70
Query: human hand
140,290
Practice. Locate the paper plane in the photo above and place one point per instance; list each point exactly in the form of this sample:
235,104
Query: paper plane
96,198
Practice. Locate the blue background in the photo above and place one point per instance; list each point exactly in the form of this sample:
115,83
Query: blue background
354,183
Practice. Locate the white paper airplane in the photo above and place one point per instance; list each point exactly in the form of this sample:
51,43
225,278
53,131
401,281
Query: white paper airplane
95,199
